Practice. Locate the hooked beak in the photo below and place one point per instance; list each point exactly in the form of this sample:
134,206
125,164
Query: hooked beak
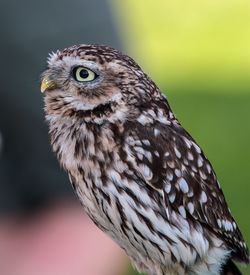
48,84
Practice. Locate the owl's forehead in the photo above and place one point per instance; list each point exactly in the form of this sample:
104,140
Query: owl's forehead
98,54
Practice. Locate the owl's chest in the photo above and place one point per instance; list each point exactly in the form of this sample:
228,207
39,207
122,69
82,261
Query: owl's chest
79,146
87,155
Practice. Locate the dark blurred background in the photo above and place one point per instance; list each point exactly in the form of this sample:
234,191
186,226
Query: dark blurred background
198,53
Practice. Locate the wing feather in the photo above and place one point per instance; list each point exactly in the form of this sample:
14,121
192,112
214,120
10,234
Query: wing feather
179,168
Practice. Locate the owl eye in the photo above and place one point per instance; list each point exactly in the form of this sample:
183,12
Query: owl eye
82,74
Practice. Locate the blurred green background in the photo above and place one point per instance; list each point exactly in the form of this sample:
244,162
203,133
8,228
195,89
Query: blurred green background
198,52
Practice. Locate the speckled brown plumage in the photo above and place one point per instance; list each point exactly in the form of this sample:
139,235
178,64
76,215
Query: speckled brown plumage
139,175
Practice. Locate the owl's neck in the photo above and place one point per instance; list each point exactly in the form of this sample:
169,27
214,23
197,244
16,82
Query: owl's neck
78,143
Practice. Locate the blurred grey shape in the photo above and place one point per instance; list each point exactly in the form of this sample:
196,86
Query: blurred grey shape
1,143
29,173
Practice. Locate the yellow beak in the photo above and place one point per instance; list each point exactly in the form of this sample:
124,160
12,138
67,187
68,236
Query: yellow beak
47,84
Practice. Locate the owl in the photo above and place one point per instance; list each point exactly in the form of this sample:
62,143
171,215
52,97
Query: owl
138,173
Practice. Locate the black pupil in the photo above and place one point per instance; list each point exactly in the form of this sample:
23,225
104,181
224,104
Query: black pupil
84,73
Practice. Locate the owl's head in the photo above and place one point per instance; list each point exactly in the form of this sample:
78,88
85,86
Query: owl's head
94,81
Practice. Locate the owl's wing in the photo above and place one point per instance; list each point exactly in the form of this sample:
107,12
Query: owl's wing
169,160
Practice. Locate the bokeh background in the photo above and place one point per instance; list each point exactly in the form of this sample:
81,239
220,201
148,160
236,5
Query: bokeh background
198,52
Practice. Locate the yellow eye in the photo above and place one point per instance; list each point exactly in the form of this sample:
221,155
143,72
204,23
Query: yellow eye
83,74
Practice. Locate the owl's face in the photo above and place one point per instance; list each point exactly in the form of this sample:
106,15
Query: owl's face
87,78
